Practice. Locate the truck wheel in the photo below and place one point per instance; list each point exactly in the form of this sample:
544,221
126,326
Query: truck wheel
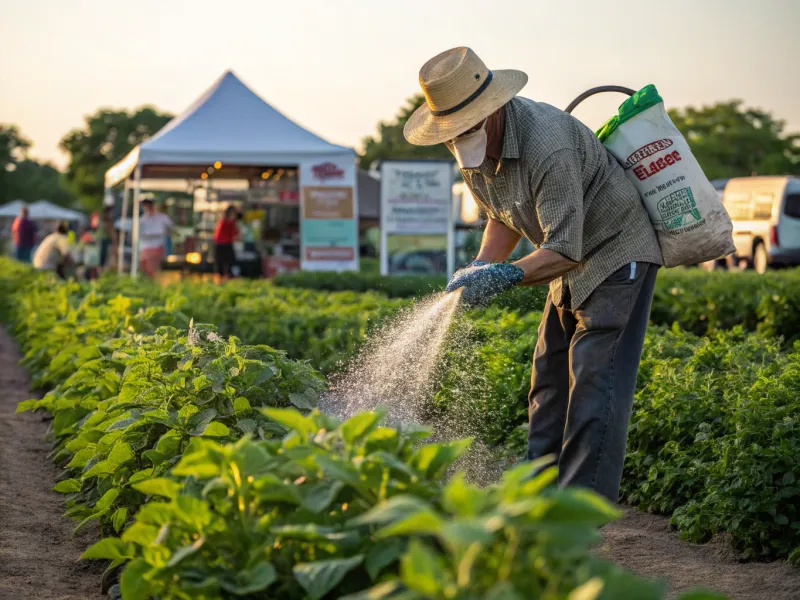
760,259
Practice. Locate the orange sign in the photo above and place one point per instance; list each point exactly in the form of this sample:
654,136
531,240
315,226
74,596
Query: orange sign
327,203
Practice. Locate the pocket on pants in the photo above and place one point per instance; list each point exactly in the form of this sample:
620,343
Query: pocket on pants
625,275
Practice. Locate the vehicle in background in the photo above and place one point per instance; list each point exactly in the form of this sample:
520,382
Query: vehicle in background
766,220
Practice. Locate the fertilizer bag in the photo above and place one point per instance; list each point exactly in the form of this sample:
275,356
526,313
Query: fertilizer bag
684,208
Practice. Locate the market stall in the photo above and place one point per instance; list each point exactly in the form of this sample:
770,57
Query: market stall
233,148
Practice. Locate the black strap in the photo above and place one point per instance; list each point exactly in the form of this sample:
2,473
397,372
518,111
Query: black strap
460,105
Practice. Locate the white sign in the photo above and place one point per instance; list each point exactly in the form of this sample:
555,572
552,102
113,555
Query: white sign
416,199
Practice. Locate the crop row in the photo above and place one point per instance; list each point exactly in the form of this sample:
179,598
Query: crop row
206,457
698,301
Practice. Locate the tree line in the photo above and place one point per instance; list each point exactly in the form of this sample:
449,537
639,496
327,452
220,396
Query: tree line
728,139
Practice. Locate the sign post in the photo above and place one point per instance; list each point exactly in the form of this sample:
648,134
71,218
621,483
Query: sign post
417,200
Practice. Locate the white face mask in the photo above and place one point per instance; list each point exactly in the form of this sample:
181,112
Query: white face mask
470,149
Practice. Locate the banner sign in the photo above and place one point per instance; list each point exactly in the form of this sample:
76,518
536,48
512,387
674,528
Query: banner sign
417,199
329,215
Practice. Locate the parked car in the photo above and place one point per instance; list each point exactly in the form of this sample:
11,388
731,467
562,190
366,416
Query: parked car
766,220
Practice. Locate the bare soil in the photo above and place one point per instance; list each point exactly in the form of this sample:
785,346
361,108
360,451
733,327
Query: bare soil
38,551
645,544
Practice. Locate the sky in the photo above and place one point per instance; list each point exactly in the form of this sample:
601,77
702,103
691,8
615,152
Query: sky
338,67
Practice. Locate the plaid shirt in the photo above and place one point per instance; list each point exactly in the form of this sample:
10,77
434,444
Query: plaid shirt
559,187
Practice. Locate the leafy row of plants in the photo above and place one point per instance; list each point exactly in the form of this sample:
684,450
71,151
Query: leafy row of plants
714,435
301,506
700,302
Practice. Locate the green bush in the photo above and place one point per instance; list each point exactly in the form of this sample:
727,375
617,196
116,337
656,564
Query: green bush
704,303
405,286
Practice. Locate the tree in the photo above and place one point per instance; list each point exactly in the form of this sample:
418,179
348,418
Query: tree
13,149
731,141
390,143
106,137
32,181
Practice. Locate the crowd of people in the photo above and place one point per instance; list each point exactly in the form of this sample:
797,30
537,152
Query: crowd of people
94,247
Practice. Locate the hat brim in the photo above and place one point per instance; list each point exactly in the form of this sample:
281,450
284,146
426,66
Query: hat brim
425,129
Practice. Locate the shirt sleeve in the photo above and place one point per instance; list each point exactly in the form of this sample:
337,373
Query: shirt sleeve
558,196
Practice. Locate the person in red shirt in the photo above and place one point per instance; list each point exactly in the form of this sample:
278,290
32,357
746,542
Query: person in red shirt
224,236
23,231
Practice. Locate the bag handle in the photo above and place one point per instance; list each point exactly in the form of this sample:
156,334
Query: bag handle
598,90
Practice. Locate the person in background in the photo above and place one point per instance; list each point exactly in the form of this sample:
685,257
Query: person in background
104,232
245,230
23,231
154,227
55,252
225,234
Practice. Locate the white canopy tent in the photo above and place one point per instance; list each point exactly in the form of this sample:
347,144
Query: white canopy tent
42,211
228,125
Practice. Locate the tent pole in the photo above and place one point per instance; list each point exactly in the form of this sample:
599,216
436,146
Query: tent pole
122,235
137,197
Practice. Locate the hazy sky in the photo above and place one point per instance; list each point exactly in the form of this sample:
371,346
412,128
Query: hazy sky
339,66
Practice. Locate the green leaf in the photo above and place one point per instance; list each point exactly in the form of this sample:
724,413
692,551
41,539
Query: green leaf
360,425
120,454
104,467
110,548
307,400
381,555
425,522
580,506
142,475
68,486
198,422
462,499
393,509
422,570
317,497
185,551
216,429
107,499
387,589
134,582
241,405
81,457
159,486
122,424
433,459
118,519
253,580
292,420
140,533
320,577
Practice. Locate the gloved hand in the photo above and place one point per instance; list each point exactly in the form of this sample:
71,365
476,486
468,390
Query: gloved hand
484,281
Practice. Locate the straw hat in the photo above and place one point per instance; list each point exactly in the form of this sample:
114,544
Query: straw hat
460,92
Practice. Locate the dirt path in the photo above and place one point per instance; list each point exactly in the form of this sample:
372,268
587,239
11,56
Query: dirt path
38,552
644,544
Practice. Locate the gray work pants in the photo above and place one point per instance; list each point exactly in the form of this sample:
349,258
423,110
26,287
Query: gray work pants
584,378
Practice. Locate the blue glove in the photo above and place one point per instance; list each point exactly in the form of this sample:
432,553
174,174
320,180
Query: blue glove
483,282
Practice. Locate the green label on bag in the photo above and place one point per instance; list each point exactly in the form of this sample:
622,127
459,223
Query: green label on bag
678,209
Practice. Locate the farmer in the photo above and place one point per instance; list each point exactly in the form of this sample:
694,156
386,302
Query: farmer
538,172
